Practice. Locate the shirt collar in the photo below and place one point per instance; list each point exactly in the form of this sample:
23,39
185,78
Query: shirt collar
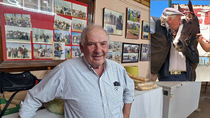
105,65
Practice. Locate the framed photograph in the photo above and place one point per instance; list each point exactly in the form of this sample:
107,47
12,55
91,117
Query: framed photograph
61,23
145,30
62,36
130,53
113,22
115,51
18,20
63,7
17,34
68,52
78,25
18,51
42,51
145,52
133,23
79,11
42,36
76,52
58,51
75,38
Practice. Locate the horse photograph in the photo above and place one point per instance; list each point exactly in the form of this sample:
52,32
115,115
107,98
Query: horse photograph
42,51
63,7
113,21
42,36
78,24
18,51
17,34
61,23
79,11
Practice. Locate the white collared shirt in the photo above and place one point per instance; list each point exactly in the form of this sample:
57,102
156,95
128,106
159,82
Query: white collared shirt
86,95
177,60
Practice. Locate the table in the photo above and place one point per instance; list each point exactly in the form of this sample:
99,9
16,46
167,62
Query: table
147,104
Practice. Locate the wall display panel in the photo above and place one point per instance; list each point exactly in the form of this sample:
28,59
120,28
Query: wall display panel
115,51
133,18
113,22
145,31
34,32
145,52
130,53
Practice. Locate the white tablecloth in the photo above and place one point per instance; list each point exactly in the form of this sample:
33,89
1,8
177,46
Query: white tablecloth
147,104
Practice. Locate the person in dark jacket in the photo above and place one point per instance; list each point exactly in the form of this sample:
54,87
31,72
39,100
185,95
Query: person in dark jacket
167,64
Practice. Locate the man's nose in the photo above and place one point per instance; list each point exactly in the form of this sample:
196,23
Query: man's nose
98,48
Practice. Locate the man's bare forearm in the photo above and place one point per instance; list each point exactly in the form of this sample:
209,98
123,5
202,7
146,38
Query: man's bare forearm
126,110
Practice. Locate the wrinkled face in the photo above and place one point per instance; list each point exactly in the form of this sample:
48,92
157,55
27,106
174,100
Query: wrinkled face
95,48
186,32
174,23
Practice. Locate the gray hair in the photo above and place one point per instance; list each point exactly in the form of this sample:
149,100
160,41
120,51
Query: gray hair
88,28
165,17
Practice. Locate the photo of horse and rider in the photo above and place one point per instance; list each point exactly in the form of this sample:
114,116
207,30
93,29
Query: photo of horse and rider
17,34
115,51
79,11
61,23
18,20
59,51
63,7
130,52
18,51
42,51
76,52
133,23
145,52
62,36
145,30
75,38
68,52
42,36
113,22
175,53
78,24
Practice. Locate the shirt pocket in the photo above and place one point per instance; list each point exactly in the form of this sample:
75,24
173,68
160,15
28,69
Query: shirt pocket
118,93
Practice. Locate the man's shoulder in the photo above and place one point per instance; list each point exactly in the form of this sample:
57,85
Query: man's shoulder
71,62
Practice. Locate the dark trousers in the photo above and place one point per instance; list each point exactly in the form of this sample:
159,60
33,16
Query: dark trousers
178,77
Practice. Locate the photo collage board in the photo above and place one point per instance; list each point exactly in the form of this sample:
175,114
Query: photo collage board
42,30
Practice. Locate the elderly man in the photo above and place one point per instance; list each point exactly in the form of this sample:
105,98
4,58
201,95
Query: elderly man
92,86
167,63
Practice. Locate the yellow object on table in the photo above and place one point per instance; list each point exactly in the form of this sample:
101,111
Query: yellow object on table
132,70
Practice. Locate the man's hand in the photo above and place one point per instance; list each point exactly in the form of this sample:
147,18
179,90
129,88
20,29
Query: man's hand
153,77
19,117
201,38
